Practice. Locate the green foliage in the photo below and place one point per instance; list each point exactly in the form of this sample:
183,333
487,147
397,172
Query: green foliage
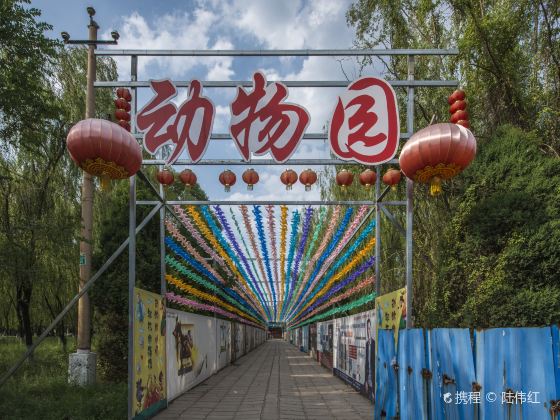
110,293
485,251
502,250
40,388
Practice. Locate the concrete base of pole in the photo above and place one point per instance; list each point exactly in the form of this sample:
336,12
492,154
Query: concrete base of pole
82,368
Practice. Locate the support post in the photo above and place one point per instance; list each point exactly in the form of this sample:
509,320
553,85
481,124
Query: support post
377,231
409,202
131,285
132,252
82,364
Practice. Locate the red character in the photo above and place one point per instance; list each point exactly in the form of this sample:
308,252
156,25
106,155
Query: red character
189,126
261,122
365,123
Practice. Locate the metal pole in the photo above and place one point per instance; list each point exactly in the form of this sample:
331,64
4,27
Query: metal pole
131,253
84,312
409,202
377,232
131,284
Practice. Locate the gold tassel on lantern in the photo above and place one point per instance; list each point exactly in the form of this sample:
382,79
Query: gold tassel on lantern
435,186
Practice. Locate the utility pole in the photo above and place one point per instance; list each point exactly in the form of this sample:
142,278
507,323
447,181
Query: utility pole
82,364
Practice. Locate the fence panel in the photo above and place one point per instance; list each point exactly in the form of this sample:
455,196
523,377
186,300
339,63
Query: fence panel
514,366
556,357
413,388
452,367
385,376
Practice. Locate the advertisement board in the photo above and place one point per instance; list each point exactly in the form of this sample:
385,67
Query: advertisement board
391,311
325,345
239,340
313,340
148,377
191,350
304,345
223,332
354,351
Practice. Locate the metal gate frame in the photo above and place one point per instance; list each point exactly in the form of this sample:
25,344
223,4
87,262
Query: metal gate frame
379,206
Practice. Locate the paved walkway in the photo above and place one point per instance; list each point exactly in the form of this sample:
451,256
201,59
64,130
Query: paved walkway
274,381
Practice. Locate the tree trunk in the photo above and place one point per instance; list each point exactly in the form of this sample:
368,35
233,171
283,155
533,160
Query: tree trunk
25,320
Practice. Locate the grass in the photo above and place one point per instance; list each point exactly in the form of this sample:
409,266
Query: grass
40,389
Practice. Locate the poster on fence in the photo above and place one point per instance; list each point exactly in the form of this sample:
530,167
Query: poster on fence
223,330
304,345
313,340
391,311
325,334
354,351
239,340
191,350
148,376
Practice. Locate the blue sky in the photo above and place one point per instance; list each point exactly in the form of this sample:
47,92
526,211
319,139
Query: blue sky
240,24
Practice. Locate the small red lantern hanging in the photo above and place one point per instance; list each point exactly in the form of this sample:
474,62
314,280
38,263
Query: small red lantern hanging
458,108
188,177
122,105
124,93
436,153
227,179
289,177
344,178
250,177
165,177
308,178
103,148
392,177
368,178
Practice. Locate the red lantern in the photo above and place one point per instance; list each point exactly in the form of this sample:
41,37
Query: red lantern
344,178
165,177
458,108
437,152
464,123
392,177
458,95
289,177
308,178
122,115
122,103
227,179
124,93
368,178
124,124
188,177
250,177
103,148
459,115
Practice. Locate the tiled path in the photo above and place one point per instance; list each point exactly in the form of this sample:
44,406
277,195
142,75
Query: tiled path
274,381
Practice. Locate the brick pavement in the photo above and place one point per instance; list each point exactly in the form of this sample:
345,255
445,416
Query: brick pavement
274,381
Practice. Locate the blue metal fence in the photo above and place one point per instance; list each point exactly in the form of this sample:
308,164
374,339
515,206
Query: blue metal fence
502,373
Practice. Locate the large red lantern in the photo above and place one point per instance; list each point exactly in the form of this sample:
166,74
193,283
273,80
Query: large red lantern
165,177
308,178
103,148
250,177
289,177
227,179
391,178
368,178
188,177
436,153
344,178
